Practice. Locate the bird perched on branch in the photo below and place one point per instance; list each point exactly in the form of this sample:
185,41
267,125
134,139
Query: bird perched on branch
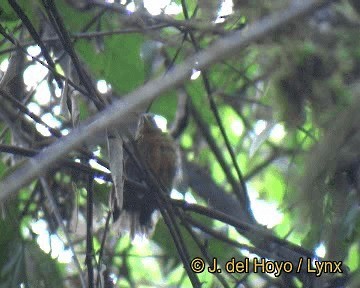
156,153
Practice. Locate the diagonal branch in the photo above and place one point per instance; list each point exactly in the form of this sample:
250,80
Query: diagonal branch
64,37
242,194
120,111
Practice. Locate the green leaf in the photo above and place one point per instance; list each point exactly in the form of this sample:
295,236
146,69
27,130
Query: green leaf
163,238
72,18
165,106
120,64
7,13
271,186
25,262
41,269
9,231
353,258
13,273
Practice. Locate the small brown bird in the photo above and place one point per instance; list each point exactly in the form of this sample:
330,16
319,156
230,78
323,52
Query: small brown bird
158,152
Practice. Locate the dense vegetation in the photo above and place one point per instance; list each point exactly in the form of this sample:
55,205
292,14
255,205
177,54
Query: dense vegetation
262,100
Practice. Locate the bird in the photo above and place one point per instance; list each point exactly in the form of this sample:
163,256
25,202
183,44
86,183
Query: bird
158,154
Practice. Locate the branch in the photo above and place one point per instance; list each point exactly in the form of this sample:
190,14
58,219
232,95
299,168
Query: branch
242,194
122,110
214,195
60,29
35,36
55,208
89,231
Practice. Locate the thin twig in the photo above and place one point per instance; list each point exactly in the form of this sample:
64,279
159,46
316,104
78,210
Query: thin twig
37,59
55,208
102,247
160,19
242,193
219,156
59,27
204,251
35,36
242,226
75,166
89,232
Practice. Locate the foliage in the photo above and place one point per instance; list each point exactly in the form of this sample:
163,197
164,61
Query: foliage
268,140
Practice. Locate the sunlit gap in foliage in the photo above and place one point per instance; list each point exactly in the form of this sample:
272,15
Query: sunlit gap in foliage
4,65
265,213
140,240
50,121
161,122
226,9
277,131
147,262
65,132
195,74
42,130
34,108
320,250
237,127
142,246
50,243
33,51
103,87
175,194
56,110
35,78
94,164
260,126
157,7
35,73
188,197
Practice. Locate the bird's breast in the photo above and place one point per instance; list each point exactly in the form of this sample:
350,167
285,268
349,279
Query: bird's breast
160,155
